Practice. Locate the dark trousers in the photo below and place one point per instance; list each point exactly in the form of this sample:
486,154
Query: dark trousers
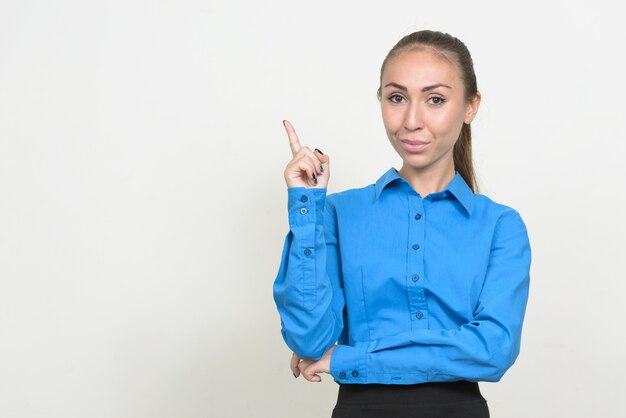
424,400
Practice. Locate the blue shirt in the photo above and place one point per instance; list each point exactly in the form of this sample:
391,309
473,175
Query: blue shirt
413,289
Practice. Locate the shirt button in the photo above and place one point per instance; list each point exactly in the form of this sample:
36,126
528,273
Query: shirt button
415,246
303,198
355,373
415,277
303,211
307,251
417,216
342,375
419,315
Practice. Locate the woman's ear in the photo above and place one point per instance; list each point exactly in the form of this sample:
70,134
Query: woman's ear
472,108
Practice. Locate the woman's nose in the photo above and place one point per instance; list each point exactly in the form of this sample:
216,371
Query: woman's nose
414,117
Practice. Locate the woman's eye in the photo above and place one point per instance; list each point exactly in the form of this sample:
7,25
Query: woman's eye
391,98
437,100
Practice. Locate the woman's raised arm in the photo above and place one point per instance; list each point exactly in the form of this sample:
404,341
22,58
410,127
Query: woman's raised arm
308,288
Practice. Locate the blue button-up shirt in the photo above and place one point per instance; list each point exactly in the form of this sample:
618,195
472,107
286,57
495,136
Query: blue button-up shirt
413,289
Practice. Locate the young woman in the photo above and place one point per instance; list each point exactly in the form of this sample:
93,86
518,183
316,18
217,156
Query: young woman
410,290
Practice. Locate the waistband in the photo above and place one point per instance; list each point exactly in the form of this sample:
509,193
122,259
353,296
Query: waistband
421,393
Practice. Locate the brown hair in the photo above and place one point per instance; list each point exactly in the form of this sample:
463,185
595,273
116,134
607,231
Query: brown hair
456,52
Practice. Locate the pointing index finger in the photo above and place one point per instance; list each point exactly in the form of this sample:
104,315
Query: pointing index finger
294,142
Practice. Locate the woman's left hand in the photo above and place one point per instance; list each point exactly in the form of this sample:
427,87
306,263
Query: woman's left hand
310,368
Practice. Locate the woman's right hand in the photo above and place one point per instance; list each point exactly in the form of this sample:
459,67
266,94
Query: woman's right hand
307,168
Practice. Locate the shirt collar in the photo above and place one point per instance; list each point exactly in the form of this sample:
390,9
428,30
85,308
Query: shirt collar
457,187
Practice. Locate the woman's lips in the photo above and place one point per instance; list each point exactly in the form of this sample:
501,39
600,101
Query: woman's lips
414,146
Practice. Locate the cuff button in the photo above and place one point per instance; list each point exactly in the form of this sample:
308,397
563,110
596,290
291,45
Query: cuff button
342,375
355,373
303,198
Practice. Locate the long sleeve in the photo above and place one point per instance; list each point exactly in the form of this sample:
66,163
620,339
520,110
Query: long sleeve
308,289
481,349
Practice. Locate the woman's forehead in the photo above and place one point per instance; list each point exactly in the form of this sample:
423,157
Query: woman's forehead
418,64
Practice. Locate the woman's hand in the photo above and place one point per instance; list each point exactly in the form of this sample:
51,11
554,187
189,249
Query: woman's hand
310,368
307,168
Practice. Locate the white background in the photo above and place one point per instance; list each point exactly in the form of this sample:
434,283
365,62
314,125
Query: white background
143,208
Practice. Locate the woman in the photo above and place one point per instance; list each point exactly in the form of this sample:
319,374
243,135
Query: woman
421,281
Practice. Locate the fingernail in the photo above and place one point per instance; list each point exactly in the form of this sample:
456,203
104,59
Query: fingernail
321,168
284,123
294,375
314,178
319,151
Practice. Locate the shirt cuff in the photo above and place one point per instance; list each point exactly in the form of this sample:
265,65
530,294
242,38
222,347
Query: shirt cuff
348,364
306,205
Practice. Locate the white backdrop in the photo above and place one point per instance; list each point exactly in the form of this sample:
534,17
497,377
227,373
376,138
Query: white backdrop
143,208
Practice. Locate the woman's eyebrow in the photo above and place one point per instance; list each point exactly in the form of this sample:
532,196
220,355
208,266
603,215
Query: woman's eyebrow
424,89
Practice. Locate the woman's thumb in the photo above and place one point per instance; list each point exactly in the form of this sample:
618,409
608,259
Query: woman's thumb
323,158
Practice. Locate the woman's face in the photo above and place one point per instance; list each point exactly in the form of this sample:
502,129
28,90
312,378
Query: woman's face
423,107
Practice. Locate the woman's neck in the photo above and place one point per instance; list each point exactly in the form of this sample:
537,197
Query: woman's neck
427,181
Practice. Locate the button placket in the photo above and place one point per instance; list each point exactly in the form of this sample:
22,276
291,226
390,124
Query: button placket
415,265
